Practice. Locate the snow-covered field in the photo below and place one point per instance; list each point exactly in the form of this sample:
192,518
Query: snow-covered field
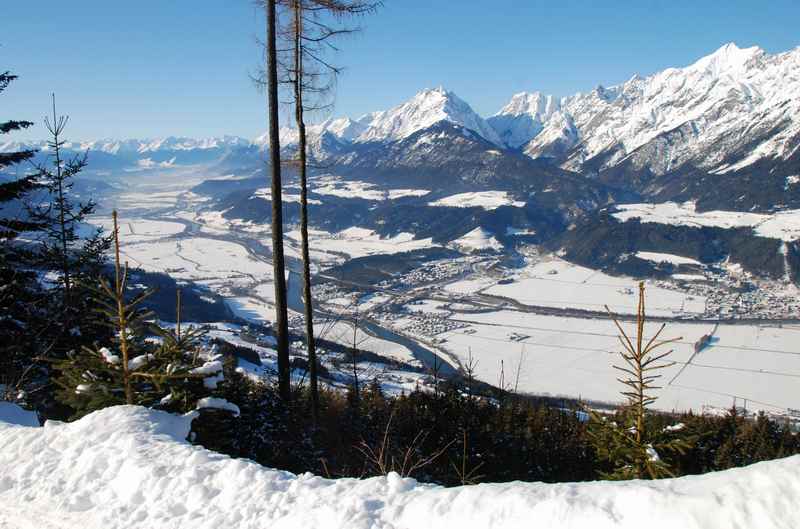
334,186
140,230
343,333
199,258
126,467
571,357
487,200
784,225
360,242
557,283
657,257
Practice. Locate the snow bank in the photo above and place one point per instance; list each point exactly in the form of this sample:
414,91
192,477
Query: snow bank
657,257
127,466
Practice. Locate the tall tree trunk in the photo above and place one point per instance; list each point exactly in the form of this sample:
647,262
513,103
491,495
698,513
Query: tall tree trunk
278,263
302,160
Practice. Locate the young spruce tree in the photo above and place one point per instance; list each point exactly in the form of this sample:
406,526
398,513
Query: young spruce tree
71,258
633,450
174,372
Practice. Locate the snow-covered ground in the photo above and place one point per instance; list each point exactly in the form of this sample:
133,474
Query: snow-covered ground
487,200
784,225
331,185
573,357
658,257
557,283
140,230
342,332
360,242
478,239
126,467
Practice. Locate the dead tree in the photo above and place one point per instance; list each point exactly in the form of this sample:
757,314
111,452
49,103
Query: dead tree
278,261
307,38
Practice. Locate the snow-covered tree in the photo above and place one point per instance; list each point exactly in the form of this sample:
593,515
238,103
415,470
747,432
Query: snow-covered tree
145,364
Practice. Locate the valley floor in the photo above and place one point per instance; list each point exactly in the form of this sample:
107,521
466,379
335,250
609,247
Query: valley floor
535,326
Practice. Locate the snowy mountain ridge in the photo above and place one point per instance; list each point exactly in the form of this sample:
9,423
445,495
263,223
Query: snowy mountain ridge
425,109
135,146
726,111
723,112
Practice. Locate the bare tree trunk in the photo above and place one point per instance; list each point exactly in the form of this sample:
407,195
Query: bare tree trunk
278,262
303,167
122,321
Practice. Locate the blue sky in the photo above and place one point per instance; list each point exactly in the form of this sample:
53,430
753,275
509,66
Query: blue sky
181,67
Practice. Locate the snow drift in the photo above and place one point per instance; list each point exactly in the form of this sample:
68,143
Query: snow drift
127,467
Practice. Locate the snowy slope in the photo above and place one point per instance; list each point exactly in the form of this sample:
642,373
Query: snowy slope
127,467
723,112
477,240
523,117
487,200
783,225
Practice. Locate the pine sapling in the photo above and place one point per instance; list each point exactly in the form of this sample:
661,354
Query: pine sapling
633,450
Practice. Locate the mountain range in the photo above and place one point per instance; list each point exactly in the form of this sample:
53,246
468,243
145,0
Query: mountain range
723,133
723,113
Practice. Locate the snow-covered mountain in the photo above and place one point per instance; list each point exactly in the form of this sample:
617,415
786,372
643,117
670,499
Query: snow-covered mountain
422,111
663,137
137,146
724,112
524,117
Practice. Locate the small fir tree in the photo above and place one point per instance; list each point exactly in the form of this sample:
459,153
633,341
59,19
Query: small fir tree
173,372
71,257
633,450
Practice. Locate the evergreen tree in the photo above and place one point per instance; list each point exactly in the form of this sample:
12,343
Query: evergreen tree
633,450
21,300
63,249
71,259
172,374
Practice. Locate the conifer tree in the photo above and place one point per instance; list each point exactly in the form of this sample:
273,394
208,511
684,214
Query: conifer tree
21,300
633,450
172,374
63,248
71,258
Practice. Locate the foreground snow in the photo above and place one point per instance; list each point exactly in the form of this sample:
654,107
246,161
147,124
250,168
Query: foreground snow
129,467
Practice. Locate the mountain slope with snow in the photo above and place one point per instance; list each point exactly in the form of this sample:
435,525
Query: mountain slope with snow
524,117
422,111
128,466
723,112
